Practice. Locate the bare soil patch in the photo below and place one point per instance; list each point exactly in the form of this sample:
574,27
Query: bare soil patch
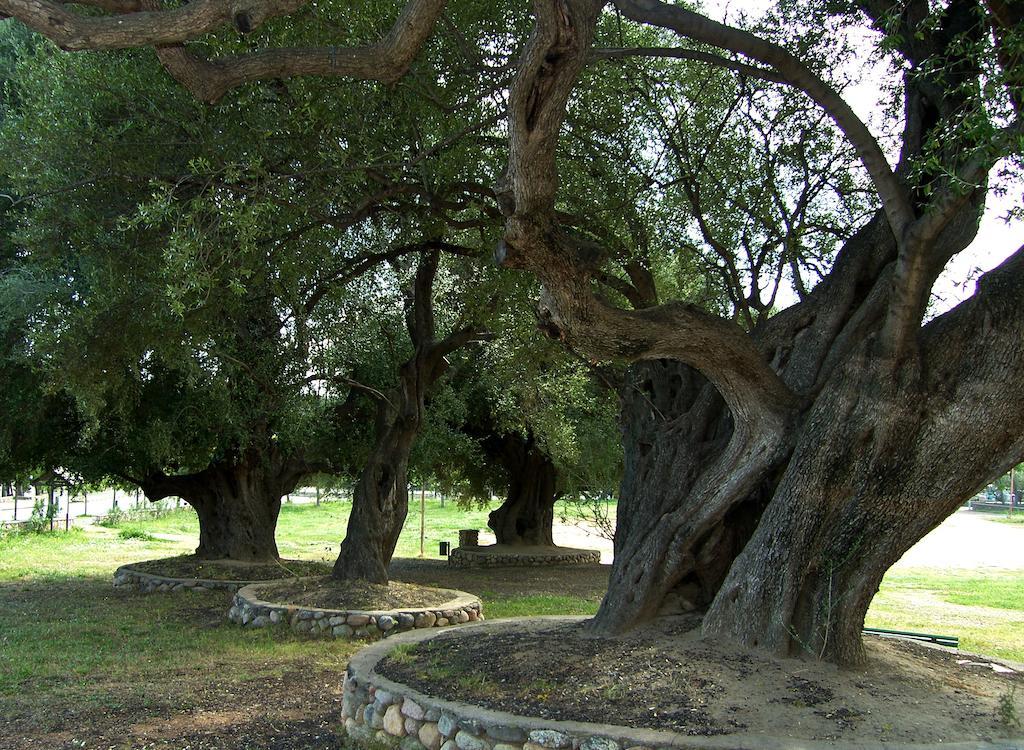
666,677
588,581
190,566
297,709
328,593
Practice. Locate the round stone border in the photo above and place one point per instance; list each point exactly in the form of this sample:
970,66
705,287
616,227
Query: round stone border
127,577
478,557
375,708
249,610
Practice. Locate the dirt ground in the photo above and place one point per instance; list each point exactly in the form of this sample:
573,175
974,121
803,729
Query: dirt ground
287,701
666,677
327,593
589,581
189,566
298,709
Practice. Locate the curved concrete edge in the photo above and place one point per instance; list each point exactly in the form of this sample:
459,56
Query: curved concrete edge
127,577
248,610
485,557
369,711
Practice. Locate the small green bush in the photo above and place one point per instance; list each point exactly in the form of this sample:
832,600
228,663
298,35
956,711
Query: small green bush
131,532
113,519
39,521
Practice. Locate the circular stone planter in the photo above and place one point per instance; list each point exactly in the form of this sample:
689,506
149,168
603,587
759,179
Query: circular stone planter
127,577
508,555
375,708
249,610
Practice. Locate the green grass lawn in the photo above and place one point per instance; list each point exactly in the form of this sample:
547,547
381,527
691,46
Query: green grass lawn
984,609
313,532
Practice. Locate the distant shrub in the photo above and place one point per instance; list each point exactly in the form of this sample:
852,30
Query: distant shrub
113,519
131,532
39,521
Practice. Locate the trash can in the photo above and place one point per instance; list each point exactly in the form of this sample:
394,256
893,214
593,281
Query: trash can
469,538
444,549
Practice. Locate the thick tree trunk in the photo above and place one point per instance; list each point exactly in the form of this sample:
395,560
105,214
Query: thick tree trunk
237,520
527,515
884,453
237,502
380,502
691,495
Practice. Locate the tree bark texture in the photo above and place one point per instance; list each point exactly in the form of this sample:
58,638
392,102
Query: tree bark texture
527,514
381,499
380,502
773,475
237,502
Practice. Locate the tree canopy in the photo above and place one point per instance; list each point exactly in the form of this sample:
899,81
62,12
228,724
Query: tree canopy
776,462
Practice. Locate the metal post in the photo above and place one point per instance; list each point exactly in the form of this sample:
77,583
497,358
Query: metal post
318,496
115,499
15,507
1013,493
423,515
85,501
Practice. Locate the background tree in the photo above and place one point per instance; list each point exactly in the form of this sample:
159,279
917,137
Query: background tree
381,499
231,377
541,428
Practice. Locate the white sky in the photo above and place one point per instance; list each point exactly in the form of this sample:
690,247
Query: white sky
996,239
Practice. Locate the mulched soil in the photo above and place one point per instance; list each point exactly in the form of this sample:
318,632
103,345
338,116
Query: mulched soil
189,566
564,675
298,710
589,581
327,593
666,677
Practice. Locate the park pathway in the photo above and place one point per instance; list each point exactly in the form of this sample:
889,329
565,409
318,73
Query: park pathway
967,539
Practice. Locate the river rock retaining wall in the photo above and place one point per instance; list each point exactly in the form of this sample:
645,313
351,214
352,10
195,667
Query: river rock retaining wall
127,577
376,709
481,557
249,610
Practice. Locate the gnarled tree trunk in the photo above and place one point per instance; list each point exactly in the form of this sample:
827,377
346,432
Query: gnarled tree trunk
884,456
237,501
527,514
691,496
381,500
829,438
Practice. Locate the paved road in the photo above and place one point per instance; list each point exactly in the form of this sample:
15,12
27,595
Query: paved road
966,539
969,539
100,503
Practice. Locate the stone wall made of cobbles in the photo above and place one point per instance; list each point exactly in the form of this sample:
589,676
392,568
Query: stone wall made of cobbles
477,557
127,577
248,610
378,710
